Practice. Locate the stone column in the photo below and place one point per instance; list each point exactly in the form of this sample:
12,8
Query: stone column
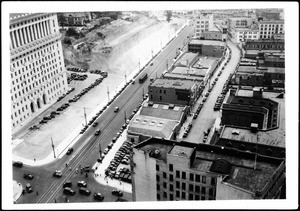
25,35
13,39
28,34
37,31
21,36
18,38
42,30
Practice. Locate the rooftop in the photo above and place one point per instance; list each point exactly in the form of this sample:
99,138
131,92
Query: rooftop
172,83
240,164
253,69
186,59
207,42
162,111
19,17
184,77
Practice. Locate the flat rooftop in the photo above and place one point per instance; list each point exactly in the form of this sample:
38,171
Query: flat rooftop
207,42
265,51
190,71
186,58
184,77
172,83
241,164
253,69
19,17
162,111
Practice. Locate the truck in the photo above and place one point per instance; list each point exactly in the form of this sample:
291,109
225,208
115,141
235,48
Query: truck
143,77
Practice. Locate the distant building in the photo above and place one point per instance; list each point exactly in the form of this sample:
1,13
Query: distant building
240,22
264,44
157,120
171,91
269,28
38,75
239,35
212,35
269,15
203,22
75,18
207,47
245,107
166,170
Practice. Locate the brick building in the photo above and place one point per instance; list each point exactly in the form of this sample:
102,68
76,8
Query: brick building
207,47
166,170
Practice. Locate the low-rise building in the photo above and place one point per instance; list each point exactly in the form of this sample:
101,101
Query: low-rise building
260,44
157,120
212,48
166,170
203,22
267,28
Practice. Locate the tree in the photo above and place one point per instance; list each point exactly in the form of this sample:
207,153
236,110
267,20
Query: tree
71,32
168,15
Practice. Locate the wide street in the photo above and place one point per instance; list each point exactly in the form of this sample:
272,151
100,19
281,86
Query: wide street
86,150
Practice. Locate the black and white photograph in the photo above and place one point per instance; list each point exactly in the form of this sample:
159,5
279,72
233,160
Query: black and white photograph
156,104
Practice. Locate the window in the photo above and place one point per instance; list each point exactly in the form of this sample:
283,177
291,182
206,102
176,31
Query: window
157,178
191,177
157,187
183,186
211,192
165,92
203,190
197,178
191,196
191,187
171,197
171,188
183,195
177,174
197,197
177,184
213,181
157,167
202,197
158,196
171,178
204,179
164,175
177,193
183,175
170,167
164,184
165,195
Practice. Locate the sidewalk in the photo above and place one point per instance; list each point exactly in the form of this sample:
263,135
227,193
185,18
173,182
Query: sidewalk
17,190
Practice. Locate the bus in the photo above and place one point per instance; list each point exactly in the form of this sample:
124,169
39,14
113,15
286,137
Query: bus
143,77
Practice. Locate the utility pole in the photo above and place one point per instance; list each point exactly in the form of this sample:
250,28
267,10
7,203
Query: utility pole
167,64
139,65
152,52
125,77
108,93
100,151
53,147
143,93
85,116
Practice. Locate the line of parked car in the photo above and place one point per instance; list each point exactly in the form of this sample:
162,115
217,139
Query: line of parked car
99,72
221,97
198,110
76,77
76,69
187,130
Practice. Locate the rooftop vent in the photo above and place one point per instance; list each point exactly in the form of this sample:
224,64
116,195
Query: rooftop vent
177,83
254,127
154,153
235,132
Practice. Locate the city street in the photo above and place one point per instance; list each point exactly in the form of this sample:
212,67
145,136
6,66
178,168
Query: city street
86,147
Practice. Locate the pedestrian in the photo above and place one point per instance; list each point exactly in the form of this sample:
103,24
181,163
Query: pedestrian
70,169
66,165
86,174
76,170
37,193
66,199
34,159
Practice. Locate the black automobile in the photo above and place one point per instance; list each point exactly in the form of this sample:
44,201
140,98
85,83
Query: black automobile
57,173
95,124
28,176
81,184
70,150
117,193
29,189
97,133
69,191
67,184
98,196
84,191
18,164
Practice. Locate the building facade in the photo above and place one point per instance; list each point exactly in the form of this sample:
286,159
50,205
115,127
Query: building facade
207,47
264,45
166,170
269,28
38,75
203,23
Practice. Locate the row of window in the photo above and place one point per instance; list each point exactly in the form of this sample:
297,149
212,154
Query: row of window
29,21
182,196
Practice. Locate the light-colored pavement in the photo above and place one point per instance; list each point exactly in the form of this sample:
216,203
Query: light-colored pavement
17,190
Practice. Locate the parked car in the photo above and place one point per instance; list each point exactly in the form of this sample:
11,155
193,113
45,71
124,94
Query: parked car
117,192
29,188
106,150
67,184
151,63
18,164
98,196
57,173
69,191
81,184
97,133
70,150
84,191
28,176
95,124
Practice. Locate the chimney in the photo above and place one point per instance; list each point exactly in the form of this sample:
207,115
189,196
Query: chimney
257,92
254,127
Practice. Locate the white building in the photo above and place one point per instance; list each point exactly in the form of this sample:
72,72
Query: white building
203,23
38,75
268,28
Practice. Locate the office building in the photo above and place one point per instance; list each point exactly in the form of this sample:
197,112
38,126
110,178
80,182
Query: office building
166,170
268,28
38,75
203,22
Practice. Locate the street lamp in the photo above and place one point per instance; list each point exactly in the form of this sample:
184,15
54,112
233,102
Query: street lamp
53,147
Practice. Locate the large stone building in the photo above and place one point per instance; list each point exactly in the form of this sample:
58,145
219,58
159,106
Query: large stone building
166,170
37,67
203,22
212,48
267,28
260,44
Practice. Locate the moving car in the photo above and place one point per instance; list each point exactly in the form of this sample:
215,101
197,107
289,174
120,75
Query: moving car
98,196
97,133
116,109
57,173
28,176
70,150
95,124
